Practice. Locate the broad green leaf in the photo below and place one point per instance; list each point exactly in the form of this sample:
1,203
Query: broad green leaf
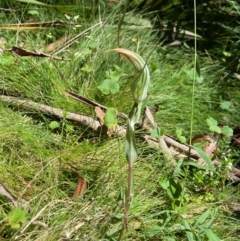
227,54
197,165
155,230
178,170
157,132
198,66
164,183
54,125
138,112
227,131
110,118
191,73
109,87
211,235
168,238
213,218
188,230
225,105
16,216
87,69
180,137
206,159
203,218
114,230
200,79
211,122
215,129
112,75
175,188
131,150
33,12
213,125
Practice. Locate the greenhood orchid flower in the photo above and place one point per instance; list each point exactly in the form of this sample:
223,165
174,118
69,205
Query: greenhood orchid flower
139,88
141,78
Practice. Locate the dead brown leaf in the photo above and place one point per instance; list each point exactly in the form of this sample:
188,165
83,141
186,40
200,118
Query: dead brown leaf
81,187
24,52
52,46
31,26
207,148
100,114
5,192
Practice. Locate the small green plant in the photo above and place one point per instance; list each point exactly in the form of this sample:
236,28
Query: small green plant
15,217
214,127
139,87
54,125
202,227
180,136
110,118
174,190
110,84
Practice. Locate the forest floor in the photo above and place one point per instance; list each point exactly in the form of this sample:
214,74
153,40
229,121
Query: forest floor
63,179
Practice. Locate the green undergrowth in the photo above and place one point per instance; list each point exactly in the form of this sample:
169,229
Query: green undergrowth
41,165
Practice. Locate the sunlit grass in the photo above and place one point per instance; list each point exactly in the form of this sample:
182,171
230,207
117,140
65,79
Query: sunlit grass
41,165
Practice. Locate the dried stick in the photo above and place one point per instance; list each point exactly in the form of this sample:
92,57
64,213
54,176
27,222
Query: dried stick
182,149
83,119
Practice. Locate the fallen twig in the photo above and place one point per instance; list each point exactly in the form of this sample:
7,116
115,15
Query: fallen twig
180,151
82,119
5,192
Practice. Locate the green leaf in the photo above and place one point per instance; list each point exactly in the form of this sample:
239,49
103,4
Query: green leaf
213,125
110,118
131,149
227,54
33,12
180,137
211,122
225,105
227,131
178,170
54,125
211,235
87,69
164,183
16,216
167,238
112,75
206,159
200,79
191,73
109,86
213,218
157,132
203,218
215,129
188,231
198,66
114,230
197,165
175,188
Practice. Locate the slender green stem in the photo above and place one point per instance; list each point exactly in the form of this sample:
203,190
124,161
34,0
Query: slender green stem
128,194
128,200
194,73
